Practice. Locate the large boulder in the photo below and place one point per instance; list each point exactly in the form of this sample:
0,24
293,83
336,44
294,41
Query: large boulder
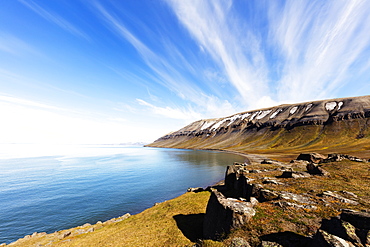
236,183
267,195
342,229
350,228
315,169
231,176
326,239
294,174
358,219
224,214
196,190
311,157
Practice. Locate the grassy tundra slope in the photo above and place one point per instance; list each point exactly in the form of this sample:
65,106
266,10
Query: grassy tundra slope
157,226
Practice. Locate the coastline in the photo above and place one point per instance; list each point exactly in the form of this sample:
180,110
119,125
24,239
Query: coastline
89,227
62,237
177,216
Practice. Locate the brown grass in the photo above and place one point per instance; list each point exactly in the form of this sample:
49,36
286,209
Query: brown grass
157,226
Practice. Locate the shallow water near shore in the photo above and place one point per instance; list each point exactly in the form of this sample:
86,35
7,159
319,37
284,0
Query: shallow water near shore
50,188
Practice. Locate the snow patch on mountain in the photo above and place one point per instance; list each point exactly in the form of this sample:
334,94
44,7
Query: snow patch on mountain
263,114
330,106
308,107
293,110
273,115
206,125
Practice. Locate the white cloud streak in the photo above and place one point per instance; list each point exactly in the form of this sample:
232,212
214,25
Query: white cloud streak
215,28
24,102
54,18
15,46
167,71
168,112
286,52
317,44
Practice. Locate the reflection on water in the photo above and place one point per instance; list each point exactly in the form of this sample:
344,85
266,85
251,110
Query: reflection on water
59,189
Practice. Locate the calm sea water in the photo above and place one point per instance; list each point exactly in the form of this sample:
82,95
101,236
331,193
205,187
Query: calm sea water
49,188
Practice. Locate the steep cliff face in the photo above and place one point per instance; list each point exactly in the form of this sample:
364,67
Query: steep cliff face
315,125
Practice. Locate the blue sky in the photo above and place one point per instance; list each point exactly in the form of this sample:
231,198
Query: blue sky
94,71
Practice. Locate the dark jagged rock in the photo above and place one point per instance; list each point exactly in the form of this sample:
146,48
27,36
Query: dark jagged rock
256,190
236,181
267,195
230,206
340,157
326,239
311,157
356,218
348,229
271,181
342,229
266,161
315,169
224,214
196,190
294,174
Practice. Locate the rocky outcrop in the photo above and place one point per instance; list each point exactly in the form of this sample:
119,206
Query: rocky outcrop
224,214
350,228
311,157
333,232
230,206
246,129
315,169
340,157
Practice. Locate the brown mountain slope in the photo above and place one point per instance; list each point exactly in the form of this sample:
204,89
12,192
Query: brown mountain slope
339,125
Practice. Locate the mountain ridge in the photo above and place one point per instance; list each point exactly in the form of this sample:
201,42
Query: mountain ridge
344,119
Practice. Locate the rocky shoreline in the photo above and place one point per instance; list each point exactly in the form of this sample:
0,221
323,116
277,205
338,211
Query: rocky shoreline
87,227
269,185
231,205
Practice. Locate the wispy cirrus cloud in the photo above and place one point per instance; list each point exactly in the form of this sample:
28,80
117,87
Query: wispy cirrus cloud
54,18
24,102
320,43
169,112
267,52
285,51
235,48
167,68
15,46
